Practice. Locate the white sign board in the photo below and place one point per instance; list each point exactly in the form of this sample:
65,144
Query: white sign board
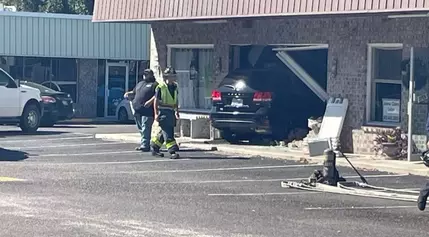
7,8
391,110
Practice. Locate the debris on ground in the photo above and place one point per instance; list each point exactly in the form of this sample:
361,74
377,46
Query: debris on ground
298,138
303,160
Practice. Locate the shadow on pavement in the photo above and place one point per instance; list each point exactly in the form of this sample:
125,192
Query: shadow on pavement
12,155
72,126
38,133
214,158
247,143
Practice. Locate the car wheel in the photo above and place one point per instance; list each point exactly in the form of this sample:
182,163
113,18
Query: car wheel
30,119
123,115
230,137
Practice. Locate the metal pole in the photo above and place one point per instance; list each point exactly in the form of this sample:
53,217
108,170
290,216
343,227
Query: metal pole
410,106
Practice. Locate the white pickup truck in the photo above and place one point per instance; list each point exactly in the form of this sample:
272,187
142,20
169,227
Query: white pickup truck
19,104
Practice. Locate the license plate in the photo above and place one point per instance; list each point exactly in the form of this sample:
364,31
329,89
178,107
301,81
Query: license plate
65,102
237,102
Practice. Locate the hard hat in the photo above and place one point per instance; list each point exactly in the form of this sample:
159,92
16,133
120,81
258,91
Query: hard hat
425,158
170,71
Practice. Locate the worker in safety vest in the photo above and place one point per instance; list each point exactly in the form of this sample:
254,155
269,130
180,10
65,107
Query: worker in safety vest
166,113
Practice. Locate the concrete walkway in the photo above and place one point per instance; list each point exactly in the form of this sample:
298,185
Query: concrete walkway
359,161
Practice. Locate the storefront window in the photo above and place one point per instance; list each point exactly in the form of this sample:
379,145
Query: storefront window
64,74
386,84
194,67
101,82
55,73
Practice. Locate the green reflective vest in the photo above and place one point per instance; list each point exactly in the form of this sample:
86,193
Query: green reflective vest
166,97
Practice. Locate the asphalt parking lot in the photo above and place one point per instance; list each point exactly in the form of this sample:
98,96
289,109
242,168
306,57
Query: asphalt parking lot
64,182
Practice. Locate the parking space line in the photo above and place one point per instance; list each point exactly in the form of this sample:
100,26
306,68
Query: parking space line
87,154
10,179
47,139
357,208
267,180
66,145
221,169
409,189
114,162
260,194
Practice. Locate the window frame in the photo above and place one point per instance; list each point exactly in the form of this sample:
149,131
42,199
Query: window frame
371,82
171,47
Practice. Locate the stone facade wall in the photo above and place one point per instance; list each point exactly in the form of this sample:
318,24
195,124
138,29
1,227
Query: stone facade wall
86,106
348,39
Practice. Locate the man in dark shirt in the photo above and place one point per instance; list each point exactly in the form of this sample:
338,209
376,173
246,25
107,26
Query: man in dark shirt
424,191
144,95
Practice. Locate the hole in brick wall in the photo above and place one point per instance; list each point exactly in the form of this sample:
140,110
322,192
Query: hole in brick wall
284,114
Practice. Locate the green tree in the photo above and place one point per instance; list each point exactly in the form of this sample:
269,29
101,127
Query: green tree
53,6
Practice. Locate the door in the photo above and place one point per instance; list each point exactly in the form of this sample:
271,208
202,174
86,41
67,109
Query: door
9,96
415,74
116,86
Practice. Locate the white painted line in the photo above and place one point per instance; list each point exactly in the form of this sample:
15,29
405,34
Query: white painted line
357,208
409,189
259,194
114,162
212,181
41,139
88,154
64,145
221,169
262,180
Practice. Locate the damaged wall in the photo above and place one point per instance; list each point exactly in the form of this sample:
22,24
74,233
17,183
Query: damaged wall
347,38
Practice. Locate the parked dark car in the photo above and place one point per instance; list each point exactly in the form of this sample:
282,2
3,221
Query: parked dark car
58,106
256,103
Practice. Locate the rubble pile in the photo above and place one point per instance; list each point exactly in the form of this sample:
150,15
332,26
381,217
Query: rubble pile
299,137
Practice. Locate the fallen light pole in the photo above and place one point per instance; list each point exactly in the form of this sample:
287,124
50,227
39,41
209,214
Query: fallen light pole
330,181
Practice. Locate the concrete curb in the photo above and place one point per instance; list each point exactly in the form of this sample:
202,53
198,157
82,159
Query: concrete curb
399,167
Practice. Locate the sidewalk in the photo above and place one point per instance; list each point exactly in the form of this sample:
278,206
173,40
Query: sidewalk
359,161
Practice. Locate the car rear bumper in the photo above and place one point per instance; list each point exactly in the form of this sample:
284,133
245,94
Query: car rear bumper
240,122
52,112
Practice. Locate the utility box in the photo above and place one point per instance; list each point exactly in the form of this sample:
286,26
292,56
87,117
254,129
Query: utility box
330,130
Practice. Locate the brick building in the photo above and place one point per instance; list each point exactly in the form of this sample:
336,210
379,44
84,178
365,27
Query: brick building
369,47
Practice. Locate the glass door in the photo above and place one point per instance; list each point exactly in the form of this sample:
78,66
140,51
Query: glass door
116,86
415,71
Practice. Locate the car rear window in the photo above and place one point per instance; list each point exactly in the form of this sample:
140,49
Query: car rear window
39,87
257,80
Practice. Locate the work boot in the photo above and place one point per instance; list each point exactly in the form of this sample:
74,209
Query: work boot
142,149
156,152
174,156
421,202
423,197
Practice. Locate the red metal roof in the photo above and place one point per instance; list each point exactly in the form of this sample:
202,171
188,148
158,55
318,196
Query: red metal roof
157,10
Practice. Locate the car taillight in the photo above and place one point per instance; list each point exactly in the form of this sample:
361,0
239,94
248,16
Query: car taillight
216,96
262,96
48,99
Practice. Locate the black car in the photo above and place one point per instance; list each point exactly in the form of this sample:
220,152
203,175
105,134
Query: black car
256,103
58,106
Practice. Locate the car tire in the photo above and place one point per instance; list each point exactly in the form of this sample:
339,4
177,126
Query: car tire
123,115
30,119
230,137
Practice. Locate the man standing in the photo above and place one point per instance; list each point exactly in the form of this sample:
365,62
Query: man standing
166,113
424,191
144,96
